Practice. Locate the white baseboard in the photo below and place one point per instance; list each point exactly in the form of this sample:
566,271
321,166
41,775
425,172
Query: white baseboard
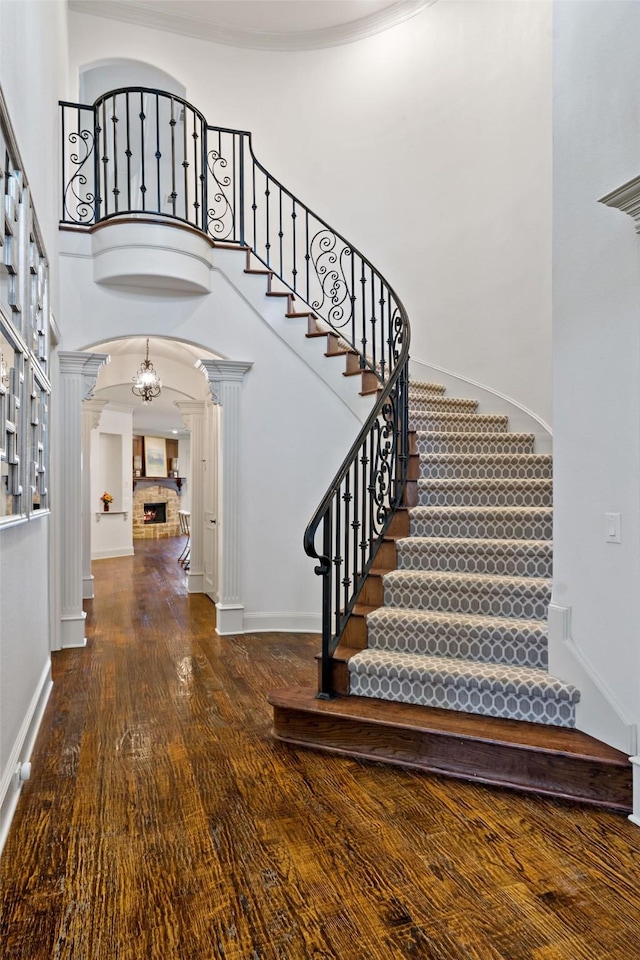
87,587
282,622
21,752
598,713
108,554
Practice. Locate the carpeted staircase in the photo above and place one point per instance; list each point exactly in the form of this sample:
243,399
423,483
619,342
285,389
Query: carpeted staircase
463,625
444,658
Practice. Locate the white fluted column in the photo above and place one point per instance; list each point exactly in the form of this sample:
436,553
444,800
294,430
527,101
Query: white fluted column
193,417
78,374
225,381
91,413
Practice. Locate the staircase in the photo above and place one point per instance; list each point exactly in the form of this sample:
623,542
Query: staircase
445,659
463,624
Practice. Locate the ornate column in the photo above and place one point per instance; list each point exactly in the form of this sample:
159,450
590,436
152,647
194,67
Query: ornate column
193,417
91,413
225,382
78,374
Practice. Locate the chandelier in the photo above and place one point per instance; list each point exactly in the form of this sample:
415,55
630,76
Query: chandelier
146,383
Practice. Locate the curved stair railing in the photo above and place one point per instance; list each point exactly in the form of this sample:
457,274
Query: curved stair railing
141,152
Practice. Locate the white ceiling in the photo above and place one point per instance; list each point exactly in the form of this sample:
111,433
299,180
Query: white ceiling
270,24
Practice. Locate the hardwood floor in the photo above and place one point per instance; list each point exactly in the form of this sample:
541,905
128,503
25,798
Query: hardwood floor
163,821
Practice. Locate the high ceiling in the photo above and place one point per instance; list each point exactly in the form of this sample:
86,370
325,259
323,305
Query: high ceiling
270,24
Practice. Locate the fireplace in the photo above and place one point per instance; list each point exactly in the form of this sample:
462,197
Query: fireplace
150,498
155,512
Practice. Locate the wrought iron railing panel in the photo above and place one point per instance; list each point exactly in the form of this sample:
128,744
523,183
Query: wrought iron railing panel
143,151
78,165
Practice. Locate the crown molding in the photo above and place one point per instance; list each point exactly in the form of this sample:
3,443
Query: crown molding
153,13
627,199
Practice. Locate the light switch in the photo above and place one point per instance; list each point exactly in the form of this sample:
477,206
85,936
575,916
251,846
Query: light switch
613,527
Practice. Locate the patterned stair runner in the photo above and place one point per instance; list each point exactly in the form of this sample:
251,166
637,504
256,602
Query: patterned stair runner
463,625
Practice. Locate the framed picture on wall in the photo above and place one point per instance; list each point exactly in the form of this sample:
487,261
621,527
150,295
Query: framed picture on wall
155,457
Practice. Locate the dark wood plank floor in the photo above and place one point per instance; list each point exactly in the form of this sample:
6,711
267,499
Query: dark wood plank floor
163,822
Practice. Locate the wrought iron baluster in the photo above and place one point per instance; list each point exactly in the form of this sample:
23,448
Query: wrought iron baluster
96,161
267,194
128,152
63,166
172,124
194,136
352,300
143,185
280,230
105,158
241,192
364,341
158,155
325,569
337,558
185,164
374,332
254,207
347,579
294,271
307,254
114,122
204,140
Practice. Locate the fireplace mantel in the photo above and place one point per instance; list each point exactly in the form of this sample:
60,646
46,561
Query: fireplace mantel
174,483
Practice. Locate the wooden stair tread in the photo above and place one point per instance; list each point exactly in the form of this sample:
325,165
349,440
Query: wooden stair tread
546,761
538,737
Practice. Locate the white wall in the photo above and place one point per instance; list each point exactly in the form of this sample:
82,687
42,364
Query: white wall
597,343
427,145
112,534
295,431
32,76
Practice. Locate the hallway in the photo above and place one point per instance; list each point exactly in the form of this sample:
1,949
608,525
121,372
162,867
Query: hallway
162,822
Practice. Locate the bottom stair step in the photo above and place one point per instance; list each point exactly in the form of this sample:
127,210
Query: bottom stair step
491,689
548,761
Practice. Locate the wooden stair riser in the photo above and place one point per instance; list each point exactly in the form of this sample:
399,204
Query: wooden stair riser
458,753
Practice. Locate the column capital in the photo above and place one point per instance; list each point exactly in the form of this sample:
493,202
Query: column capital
189,409
92,411
84,365
223,372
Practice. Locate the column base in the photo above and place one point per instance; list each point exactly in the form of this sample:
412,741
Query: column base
229,619
195,582
87,587
72,632
635,816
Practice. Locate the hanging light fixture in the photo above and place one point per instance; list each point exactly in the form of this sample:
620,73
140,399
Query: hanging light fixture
146,383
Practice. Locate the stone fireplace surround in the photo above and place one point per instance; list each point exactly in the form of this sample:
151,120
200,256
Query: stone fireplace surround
155,493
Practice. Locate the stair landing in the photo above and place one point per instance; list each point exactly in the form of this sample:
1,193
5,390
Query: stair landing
548,761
